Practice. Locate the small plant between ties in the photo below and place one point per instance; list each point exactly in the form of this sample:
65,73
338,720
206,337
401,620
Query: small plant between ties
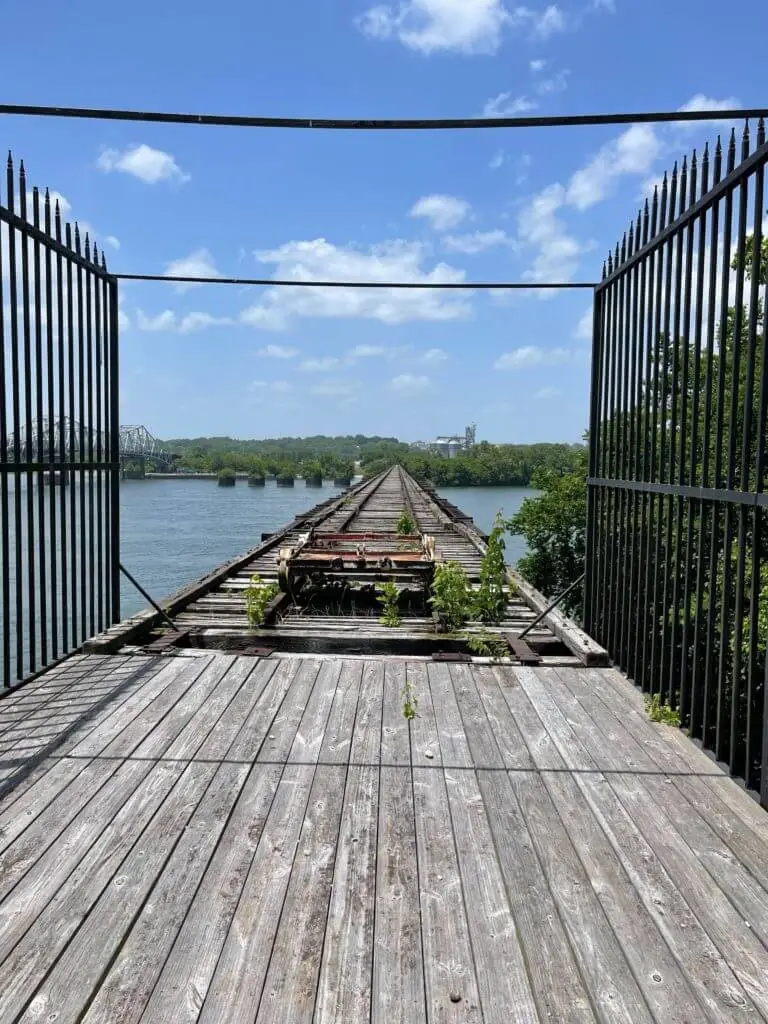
388,597
405,525
486,645
257,596
490,600
451,595
661,712
410,701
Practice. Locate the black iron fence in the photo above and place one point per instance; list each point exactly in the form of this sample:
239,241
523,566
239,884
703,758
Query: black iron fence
677,547
59,435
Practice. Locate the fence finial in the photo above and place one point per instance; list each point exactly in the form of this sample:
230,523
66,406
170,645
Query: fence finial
761,132
87,247
645,220
705,170
731,161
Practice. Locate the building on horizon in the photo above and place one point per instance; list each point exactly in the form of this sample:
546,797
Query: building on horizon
450,445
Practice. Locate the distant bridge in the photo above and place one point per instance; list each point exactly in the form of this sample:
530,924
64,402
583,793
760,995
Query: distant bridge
136,445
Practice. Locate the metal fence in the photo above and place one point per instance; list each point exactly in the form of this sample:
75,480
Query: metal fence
677,545
59,435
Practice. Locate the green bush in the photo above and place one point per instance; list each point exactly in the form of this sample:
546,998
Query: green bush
257,596
490,601
451,595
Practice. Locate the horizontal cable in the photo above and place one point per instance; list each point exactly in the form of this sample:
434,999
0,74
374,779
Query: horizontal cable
440,285
379,124
713,494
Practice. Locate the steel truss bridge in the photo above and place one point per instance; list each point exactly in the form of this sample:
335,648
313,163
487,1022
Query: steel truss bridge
44,444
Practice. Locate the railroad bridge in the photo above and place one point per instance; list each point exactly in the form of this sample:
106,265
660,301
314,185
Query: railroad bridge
255,801
63,440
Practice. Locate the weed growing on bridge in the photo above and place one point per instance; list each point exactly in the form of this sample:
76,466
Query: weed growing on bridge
451,594
658,712
388,597
410,701
487,645
491,599
405,525
257,596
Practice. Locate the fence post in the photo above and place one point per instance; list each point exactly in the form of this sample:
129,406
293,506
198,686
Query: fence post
594,414
114,449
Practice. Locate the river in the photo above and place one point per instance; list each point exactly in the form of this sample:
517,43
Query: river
173,531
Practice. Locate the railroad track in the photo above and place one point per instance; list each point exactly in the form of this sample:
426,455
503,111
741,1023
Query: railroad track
212,613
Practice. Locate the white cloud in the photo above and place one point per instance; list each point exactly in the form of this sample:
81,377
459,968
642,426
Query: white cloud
147,164
477,241
700,102
433,356
539,227
441,211
278,352
584,327
367,352
528,356
465,26
320,260
497,160
111,240
557,83
544,394
189,323
321,365
281,387
537,65
409,383
633,152
543,24
504,106
198,264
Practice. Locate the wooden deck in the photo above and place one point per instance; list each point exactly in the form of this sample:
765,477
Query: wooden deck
220,838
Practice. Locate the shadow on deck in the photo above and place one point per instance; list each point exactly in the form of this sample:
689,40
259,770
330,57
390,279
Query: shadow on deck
223,838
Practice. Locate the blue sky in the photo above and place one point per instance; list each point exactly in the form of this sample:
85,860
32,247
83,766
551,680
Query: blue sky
535,204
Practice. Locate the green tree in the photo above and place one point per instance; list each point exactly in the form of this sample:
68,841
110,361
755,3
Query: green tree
554,525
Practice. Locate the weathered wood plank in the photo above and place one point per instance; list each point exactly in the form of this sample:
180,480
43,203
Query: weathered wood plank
237,715
480,736
542,749
725,926
425,743
449,970
344,988
183,984
714,983
51,778
236,987
557,986
26,902
103,931
728,872
27,964
398,978
123,993
291,982
337,742
249,740
661,981
505,995
514,752
395,739
108,737
450,728
277,744
31,843
308,740
157,739
612,987
366,742
206,718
